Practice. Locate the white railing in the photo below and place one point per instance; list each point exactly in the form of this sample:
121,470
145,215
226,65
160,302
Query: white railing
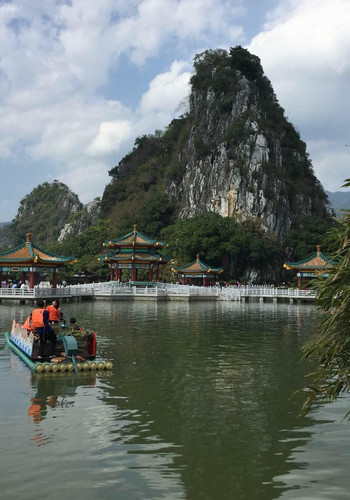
77,290
266,291
160,289
231,293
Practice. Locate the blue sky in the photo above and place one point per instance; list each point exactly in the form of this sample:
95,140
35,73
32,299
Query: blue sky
81,79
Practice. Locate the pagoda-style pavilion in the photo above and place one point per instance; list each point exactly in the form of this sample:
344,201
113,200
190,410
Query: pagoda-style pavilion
315,265
29,258
197,269
134,251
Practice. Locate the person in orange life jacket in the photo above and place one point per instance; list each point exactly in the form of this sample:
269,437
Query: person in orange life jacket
54,311
40,321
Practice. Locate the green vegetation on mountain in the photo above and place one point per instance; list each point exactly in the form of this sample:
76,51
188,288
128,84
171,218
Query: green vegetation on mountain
239,248
303,239
86,248
143,176
43,212
137,191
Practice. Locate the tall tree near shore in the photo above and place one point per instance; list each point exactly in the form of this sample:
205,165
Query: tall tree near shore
330,346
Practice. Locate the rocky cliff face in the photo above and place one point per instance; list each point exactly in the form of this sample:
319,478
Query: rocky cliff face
242,158
85,218
43,212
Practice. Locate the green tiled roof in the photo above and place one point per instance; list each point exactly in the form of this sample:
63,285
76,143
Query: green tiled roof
197,267
316,261
135,239
30,253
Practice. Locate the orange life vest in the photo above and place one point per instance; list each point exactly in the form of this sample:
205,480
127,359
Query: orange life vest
28,323
37,318
54,313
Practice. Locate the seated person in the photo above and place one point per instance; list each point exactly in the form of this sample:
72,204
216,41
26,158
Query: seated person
73,325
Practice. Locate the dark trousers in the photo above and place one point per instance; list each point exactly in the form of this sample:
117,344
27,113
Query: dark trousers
44,336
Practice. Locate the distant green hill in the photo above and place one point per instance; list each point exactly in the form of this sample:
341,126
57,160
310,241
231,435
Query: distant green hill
2,224
339,200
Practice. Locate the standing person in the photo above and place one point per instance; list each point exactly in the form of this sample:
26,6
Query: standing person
54,311
40,321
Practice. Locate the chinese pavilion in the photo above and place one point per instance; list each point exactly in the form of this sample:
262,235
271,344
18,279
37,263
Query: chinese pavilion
315,265
197,269
134,251
30,259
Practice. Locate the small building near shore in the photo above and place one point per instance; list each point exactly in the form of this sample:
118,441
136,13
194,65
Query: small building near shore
31,260
197,270
134,251
314,266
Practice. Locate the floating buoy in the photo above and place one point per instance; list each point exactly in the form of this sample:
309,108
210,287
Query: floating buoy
86,366
100,365
93,365
70,367
55,367
79,367
47,367
109,365
62,367
39,367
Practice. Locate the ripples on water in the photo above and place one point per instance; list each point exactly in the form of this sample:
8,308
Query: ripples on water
197,406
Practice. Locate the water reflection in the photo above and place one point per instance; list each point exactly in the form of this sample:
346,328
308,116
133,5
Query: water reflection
52,392
216,382
197,405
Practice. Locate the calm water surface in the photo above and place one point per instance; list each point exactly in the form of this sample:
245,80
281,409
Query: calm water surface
197,406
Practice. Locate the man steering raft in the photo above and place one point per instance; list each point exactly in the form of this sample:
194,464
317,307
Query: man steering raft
40,322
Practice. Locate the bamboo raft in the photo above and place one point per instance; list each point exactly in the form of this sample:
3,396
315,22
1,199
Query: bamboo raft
23,343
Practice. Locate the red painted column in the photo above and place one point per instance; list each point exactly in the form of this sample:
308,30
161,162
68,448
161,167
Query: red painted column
54,279
32,279
299,282
157,274
204,281
183,280
133,274
150,274
112,274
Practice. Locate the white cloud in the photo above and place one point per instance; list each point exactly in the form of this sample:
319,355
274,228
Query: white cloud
55,59
305,51
109,137
331,162
158,21
166,90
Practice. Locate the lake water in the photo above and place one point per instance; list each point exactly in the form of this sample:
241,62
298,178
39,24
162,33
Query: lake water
196,407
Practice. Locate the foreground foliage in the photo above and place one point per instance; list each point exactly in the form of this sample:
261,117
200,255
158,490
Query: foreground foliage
330,346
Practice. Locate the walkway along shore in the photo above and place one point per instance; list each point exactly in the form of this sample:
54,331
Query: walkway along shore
157,291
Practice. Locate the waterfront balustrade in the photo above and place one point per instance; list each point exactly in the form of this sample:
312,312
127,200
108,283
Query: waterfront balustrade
115,289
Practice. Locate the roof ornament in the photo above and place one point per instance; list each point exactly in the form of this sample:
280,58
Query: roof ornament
197,257
318,250
135,228
28,237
